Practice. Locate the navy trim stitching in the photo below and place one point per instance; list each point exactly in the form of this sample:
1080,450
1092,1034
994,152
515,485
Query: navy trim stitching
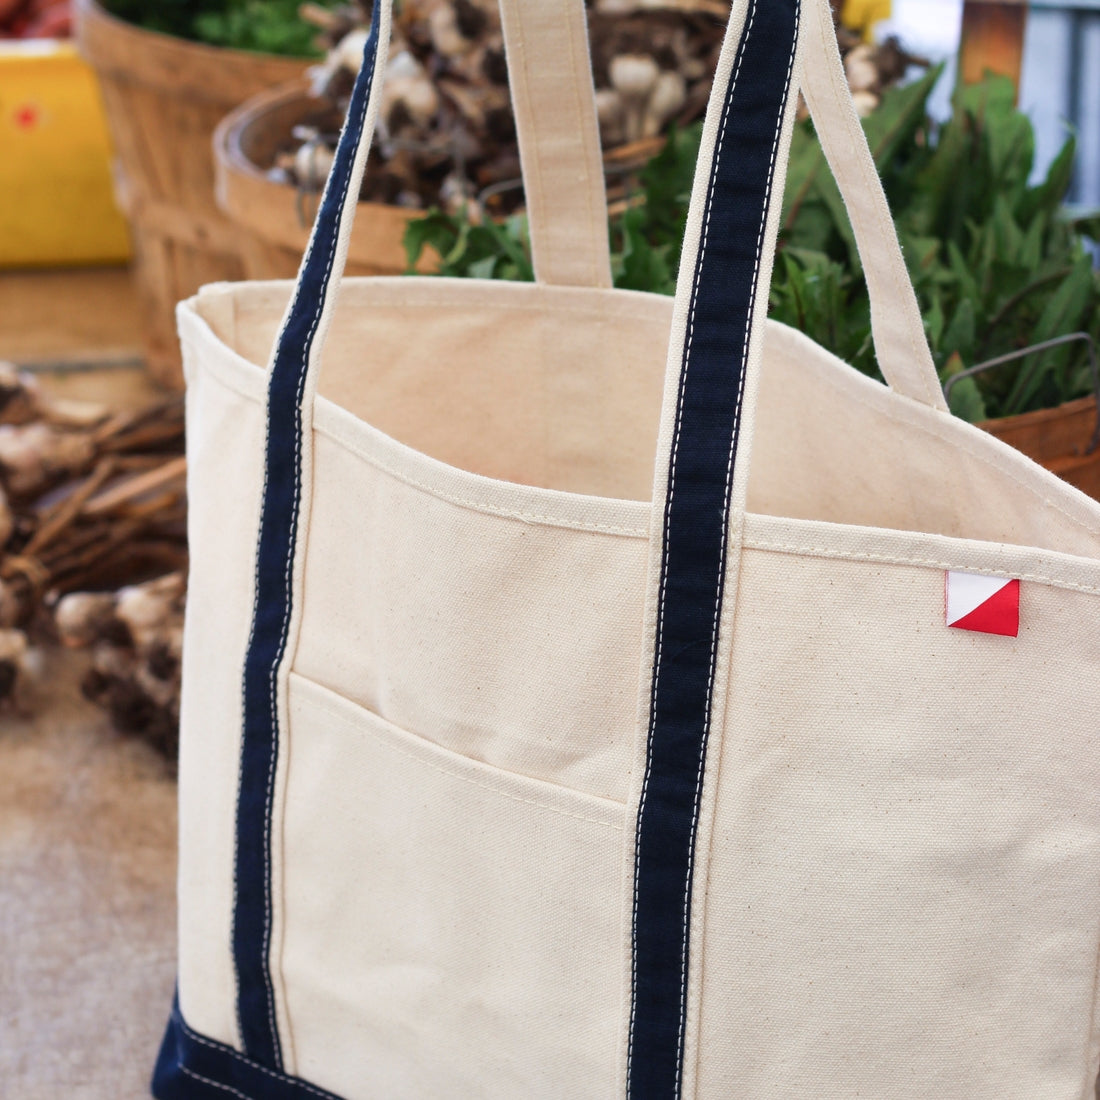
647,1080
261,734
725,539
229,1052
190,1065
206,1081
664,558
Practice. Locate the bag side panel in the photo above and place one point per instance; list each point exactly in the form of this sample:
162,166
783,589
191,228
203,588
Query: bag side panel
906,854
224,481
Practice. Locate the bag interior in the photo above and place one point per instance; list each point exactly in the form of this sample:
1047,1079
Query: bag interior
561,389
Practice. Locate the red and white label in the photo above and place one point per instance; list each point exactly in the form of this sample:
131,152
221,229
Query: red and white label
989,605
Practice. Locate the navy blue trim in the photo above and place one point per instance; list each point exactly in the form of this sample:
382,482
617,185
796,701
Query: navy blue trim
696,523
192,1067
273,601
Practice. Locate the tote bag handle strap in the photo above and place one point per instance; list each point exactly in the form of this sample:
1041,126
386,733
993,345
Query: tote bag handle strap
716,356
901,345
553,99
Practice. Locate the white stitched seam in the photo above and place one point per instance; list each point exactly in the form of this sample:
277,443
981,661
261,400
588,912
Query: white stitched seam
252,631
410,755
196,1037
668,514
617,309
255,613
725,538
899,559
482,506
216,1084
847,392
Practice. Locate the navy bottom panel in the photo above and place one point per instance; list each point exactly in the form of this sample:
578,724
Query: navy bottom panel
192,1067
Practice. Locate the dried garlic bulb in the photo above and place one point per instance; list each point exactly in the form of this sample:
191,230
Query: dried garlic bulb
34,454
148,609
83,617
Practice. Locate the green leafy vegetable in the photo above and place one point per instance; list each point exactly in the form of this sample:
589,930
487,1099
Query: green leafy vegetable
267,26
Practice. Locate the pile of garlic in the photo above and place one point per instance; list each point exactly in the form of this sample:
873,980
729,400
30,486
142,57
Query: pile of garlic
90,497
445,132
446,135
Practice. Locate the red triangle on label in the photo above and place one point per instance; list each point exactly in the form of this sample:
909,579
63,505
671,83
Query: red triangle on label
1000,614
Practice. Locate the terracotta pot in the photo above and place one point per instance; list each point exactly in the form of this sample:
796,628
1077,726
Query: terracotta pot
164,97
1057,439
275,218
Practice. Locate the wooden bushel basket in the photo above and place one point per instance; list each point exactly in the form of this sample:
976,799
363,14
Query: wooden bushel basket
164,97
1065,439
273,218
1058,439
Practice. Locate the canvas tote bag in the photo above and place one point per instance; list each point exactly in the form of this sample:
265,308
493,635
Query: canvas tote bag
844,839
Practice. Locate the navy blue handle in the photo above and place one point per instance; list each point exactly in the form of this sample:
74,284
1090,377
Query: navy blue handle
252,916
725,287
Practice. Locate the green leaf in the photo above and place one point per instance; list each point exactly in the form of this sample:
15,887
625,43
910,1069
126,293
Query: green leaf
434,230
1006,238
813,229
807,161
1011,149
484,268
934,322
903,110
643,266
1087,224
511,239
666,183
958,336
269,26
1030,252
962,272
1064,312
965,401
945,186
1048,195
964,398
922,255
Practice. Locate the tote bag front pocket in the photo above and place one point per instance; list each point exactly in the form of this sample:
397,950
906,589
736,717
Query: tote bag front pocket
392,878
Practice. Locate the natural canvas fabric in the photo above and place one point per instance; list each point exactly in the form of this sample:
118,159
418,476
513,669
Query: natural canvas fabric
569,705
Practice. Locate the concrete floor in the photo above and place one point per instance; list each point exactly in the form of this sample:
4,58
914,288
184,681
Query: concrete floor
87,898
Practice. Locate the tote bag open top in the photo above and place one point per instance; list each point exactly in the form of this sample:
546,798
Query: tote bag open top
511,768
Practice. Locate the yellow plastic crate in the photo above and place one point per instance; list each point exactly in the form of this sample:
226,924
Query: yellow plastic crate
57,206
862,15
